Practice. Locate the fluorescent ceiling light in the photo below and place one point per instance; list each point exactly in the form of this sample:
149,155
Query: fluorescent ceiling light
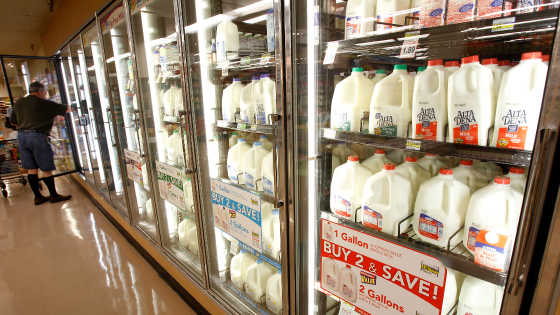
256,20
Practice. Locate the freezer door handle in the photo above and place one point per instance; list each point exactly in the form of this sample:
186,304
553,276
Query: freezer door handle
273,119
137,122
183,120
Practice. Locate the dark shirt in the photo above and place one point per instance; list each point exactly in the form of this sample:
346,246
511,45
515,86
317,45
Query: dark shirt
35,113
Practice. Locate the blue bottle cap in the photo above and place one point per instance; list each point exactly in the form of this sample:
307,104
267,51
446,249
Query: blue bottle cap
243,251
266,75
240,140
264,137
257,143
275,211
256,78
259,261
236,80
279,272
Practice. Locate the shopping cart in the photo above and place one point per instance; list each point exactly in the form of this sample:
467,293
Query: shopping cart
11,171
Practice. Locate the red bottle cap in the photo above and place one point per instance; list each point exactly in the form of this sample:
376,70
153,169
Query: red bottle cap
469,59
446,171
348,266
502,180
502,63
517,170
389,166
490,61
430,154
466,162
353,158
545,57
411,159
531,55
452,63
379,151
437,62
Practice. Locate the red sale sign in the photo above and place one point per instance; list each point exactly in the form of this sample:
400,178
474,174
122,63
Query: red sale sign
378,276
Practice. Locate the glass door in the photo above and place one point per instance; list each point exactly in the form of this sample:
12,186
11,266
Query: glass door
417,149
234,66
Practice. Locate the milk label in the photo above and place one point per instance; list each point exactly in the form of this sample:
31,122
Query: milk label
249,180
473,234
244,115
488,9
430,228
460,11
232,172
267,186
512,131
465,127
426,123
528,5
259,111
271,305
384,125
347,291
493,250
352,26
235,281
250,292
340,120
432,13
221,50
342,206
384,19
372,219
331,281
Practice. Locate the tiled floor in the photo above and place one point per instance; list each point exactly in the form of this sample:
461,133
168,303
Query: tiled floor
67,258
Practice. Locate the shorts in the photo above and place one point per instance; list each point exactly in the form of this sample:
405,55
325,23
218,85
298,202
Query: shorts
35,151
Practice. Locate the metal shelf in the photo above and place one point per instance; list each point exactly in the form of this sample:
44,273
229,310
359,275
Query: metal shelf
264,196
246,127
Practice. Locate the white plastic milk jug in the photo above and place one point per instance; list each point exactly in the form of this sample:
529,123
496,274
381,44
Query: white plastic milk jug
230,99
267,144
397,156
519,104
388,12
267,101
429,102
329,277
233,139
415,173
351,100
193,241
347,186
249,95
452,66
266,210
479,297
188,194
224,218
235,160
387,199
252,163
271,234
169,100
183,230
471,91
497,73
171,149
375,162
267,174
391,104
431,163
379,75
227,40
238,267
504,65
357,12
440,208
257,276
518,178
274,293
348,284
469,176
450,293
493,208
489,169
178,101
179,149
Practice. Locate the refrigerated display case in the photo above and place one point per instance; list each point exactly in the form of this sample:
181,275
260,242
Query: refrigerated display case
372,236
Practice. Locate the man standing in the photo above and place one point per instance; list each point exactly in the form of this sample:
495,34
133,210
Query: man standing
34,117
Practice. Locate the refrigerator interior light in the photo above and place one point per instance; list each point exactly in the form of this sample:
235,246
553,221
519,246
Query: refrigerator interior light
256,20
207,23
253,8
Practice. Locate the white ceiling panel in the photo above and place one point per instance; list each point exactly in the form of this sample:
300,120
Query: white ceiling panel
12,22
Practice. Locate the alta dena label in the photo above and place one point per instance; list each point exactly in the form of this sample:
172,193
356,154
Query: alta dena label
430,228
384,125
426,124
342,206
385,19
352,26
465,128
512,133
341,121
372,219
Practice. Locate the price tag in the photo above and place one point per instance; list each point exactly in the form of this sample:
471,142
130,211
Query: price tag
233,247
225,71
333,218
330,133
413,145
265,59
246,60
254,127
408,49
241,126
346,309
331,53
505,24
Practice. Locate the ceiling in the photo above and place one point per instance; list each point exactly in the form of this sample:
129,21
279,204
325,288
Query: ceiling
22,22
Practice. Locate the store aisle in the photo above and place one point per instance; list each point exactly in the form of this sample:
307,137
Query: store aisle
67,258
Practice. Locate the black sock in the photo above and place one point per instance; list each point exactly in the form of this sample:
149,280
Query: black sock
49,181
33,180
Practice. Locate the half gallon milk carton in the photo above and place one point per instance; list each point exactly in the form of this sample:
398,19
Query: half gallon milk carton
183,230
249,97
387,199
266,104
329,275
398,156
375,163
267,174
271,234
432,13
479,297
230,100
270,30
489,9
347,186
169,100
351,100
497,73
467,174
452,66
415,173
238,268
429,102
359,17
431,163
274,293
379,75
391,104
459,11
518,179
252,163
235,161
257,276
390,11
348,284
519,104
227,40
470,99
440,208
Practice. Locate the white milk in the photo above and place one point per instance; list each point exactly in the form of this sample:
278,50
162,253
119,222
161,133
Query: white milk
518,179
351,101
230,99
238,267
257,276
469,176
188,193
470,101
224,218
432,13
519,104
179,149
183,230
233,139
375,163
459,11
178,101
504,65
398,156
249,96
431,163
267,174
274,292
388,12
489,169
379,75
227,40
356,11
169,100
415,173
452,66
493,208
329,278
267,100
271,234
497,73
387,199
429,102
440,208
266,210
348,284
450,293
391,104
171,149
267,144
480,297
252,163
347,186
235,160
193,241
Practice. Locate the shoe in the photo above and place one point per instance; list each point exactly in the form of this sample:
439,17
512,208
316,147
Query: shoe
60,198
41,200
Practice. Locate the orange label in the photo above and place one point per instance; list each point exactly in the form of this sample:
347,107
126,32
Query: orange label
512,138
429,132
467,136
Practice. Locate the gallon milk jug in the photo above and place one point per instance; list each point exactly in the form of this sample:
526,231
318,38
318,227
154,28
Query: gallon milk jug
518,179
329,277
504,65
440,208
388,12
375,163
429,102
450,293
387,199
169,100
266,210
227,40
431,163
230,100
391,104
233,139
470,105
415,173
348,284
545,59
489,169
267,173
351,100
183,230
235,161
178,101
347,186
274,292
180,149
252,163
255,281
469,176
493,208
519,104
224,218
452,66
238,267
171,149
266,104
379,75
398,156
479,297
356,12
271,234
497,73
267,144
193,241
249,95
187,192
343,151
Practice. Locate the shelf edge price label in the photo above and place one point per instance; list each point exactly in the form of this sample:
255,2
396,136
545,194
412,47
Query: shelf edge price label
246,60
225,69
345,308
413,145
265,59
241,126
505,24
233,246
331,53
254,127
330,133
408,49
